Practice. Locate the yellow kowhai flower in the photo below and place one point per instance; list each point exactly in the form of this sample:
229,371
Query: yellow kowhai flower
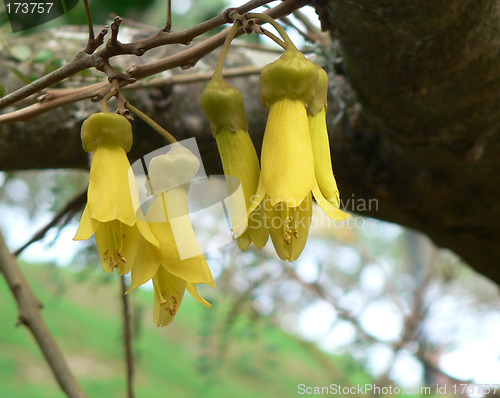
168,294
177,263
109,213
288,172
316,113
223,104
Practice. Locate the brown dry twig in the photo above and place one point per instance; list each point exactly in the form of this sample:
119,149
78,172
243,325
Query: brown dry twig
63,216
30,316
84,61
114,48
127,338
60,97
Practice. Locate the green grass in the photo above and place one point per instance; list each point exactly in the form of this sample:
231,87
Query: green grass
196,356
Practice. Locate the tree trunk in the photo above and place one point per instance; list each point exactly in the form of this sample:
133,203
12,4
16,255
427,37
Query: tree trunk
426,142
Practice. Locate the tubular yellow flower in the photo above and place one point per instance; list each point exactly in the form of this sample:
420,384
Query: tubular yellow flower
289,174
224,107
109,213
289,227
320,142
168,294
177,263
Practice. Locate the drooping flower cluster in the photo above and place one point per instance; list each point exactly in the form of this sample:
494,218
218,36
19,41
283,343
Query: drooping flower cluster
295,151
128,241
275,199
223,104
295,157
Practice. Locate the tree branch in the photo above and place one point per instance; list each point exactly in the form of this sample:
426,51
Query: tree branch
65,213
113,48
30,316
56,98
184,58
128,338
80,62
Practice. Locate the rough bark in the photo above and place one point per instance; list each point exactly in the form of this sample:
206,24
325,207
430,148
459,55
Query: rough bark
419,131
427,141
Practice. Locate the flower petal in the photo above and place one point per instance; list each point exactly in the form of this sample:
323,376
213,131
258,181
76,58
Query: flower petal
287,155
239,160
191,287
87,226
244,241
110,241
168,294
146,264
322,158
194,269
330,210
256,199
289,228
109,194
145,231
257,229
182,230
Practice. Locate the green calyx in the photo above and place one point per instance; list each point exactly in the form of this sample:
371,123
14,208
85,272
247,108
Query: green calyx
292,76
320,98
223,104
106,129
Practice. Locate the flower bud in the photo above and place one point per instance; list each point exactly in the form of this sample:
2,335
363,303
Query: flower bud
223,104
177,167
106,129
320,98
292,76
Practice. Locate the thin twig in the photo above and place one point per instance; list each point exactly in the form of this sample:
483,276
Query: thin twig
305,34
321,292
93,43
80,62
64,214
115,27
168,23
128,338
169,137
65,96
84,61
187,78
36,109
190,56
89,48
309,25
30,316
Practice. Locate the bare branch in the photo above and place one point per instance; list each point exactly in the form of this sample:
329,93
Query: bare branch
190,56
127,338
84,61
305,34
80,62
115,27
64,214
308,24
168,23
55,98
30,316
36,109
91,42
113,74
